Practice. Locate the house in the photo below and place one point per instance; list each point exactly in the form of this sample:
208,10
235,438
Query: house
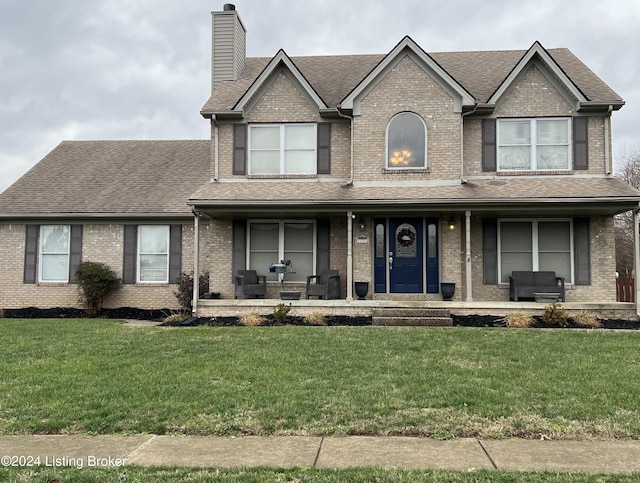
403,170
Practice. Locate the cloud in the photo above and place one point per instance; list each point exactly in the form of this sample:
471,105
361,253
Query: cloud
116,69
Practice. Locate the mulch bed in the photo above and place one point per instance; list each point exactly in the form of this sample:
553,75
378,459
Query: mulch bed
159,315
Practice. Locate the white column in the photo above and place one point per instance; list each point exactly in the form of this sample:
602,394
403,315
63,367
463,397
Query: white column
196,264
636,256
349,256
468,256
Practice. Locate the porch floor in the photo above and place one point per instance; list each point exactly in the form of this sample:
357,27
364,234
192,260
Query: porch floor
364,308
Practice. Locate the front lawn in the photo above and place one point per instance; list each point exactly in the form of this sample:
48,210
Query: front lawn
102,376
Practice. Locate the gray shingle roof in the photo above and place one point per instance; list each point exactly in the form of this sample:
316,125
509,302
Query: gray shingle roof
499,192
111,177
480,73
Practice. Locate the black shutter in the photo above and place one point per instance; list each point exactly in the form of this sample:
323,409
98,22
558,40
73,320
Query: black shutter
175,254
324,148
75,253
490,251
130,254
580,143
31,253
239,261
488,145
582,250
322,256
240,149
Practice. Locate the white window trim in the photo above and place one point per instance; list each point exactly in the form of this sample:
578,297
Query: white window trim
426,139
281,224
41,254
139,253
283,150
533,145
534,246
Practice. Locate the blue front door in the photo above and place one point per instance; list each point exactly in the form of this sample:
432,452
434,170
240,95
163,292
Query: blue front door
405,255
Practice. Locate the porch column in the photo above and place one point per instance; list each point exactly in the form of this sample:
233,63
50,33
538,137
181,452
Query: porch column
349,256
468,256
196,264
636,256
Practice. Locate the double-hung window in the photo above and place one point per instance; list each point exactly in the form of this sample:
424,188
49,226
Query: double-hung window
282,149
534,144
272,241
153,253
538,245
54,253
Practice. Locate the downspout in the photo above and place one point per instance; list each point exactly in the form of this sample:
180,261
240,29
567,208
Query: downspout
216,151
196,263
607,128
464,114
350,183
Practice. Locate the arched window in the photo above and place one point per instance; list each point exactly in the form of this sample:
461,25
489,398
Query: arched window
406,141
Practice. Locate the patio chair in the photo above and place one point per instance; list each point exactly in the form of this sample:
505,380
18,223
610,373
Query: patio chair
326,285
248,282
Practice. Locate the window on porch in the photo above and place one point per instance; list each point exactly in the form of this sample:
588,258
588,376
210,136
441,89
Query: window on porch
538,245
272,241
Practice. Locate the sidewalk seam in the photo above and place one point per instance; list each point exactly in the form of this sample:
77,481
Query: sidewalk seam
141,447
493,463
315,461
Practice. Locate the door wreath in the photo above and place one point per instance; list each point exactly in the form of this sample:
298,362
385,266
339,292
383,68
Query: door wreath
406,237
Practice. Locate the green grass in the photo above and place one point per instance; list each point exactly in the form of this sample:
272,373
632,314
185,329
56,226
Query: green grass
201,475
100,376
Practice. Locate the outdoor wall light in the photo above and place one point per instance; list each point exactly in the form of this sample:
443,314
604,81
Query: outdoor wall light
361,223
452,224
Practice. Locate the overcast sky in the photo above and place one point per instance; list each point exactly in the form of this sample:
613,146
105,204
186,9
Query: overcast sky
123,69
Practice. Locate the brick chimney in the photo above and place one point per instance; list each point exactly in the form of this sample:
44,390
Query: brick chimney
228,45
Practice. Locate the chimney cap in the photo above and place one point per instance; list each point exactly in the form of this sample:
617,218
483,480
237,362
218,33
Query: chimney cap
228,7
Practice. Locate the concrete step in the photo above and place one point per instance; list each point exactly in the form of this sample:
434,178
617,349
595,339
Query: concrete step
412,321
410,312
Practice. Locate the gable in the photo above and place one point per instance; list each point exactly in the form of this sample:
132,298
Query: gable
407,87
281,99
533,93
408,48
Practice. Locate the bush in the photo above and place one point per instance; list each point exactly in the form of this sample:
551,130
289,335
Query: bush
585,319
174,319
184,292
555,314
95,282
518,319
252,319
315,318
281,313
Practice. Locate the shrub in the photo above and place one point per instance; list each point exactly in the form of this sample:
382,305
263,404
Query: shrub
315,318
281,313
174,319
95,282
585,319
518,319
252,319
554,314
184,291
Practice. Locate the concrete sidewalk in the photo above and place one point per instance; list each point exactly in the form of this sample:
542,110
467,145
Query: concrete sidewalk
322,452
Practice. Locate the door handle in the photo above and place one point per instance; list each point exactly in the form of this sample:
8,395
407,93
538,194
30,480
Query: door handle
390,260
